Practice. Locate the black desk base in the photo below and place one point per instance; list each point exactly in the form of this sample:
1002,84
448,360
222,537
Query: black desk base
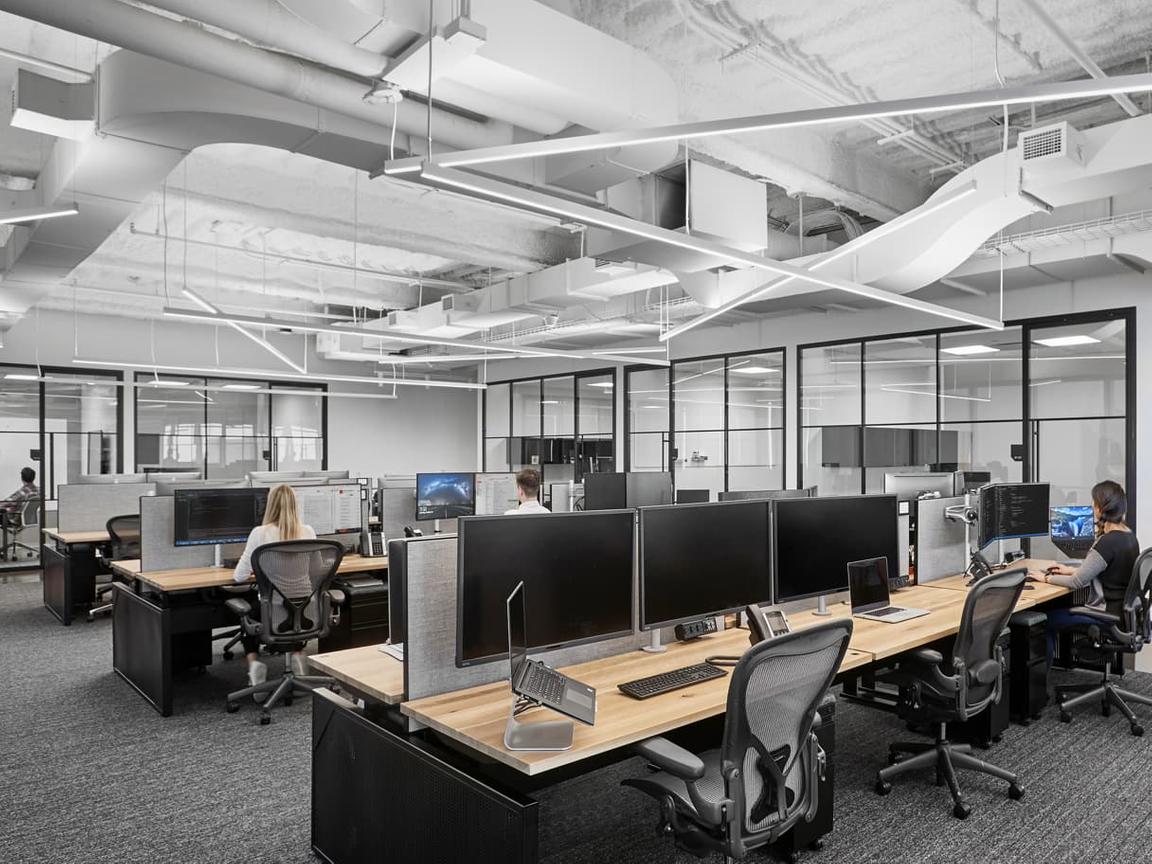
69,579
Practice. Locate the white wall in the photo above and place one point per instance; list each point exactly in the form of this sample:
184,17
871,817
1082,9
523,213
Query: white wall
422,429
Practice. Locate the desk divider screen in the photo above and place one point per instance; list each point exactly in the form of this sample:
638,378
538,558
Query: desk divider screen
430,645
88,507
158,550
940,549
398,509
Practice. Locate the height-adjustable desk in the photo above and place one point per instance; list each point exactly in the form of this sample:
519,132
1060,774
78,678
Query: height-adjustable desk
68,560
162,621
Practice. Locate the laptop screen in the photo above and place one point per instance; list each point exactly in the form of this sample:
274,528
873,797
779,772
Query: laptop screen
868,584
517,633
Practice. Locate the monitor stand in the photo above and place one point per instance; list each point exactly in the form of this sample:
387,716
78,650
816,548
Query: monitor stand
545,735
435,526
218,555
822,607
654,646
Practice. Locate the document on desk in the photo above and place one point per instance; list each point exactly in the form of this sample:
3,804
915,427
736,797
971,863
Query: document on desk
316,508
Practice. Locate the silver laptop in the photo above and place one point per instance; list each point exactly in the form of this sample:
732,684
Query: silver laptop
537,682
868,586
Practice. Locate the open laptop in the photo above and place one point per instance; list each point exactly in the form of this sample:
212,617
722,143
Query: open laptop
537,682
868,586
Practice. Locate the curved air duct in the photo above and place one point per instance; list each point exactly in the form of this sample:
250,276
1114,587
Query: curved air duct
152,113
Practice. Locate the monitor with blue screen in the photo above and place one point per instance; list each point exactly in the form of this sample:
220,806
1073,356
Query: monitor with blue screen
445,496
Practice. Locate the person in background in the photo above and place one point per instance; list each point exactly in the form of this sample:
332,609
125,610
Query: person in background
528,493
281,522
27,490
1107,569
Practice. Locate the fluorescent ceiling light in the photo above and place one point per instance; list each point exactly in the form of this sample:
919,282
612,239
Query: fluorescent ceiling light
605,384
35,214
485,188
1044,383
964,101
263,343
1067,341
241,387
549,401
752,370
284,376
934,394
968,350
21,376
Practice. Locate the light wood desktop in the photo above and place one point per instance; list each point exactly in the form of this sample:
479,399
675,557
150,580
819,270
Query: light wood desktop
194,578
366,670
70,538
476,717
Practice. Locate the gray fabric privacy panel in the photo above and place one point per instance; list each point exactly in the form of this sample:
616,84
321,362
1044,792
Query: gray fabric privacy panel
940,548
84,507
430,645
398,509
157,549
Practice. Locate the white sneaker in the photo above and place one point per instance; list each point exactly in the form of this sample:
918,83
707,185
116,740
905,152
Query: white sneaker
257,674
299,664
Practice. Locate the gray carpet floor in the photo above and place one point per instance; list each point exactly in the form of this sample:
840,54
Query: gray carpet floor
90,773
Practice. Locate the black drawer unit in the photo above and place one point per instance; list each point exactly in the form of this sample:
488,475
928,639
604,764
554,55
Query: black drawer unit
1029,665
364,615
807,835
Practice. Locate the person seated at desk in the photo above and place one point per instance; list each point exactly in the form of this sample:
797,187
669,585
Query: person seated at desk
1107,569
281,522
528,493
14,502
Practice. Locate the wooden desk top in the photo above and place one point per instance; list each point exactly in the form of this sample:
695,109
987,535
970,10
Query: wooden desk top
68,538
367,670
477,716
193,578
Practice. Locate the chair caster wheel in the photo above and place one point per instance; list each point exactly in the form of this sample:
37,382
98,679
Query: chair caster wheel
232,707
1065,717
1137,730
1015,791
883,787
227,655
893,758
265,720
1106,709
816,845
961,811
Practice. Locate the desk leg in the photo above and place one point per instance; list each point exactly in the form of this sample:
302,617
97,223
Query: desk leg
376,795
55,582
142,646
864,689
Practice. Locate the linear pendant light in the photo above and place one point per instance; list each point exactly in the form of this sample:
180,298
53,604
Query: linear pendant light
1025,95
263,343
35,214
286,376
851,247
487,189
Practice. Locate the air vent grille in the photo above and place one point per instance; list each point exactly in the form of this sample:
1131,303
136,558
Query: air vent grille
1043,144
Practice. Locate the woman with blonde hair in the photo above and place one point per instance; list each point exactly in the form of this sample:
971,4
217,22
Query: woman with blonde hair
281,522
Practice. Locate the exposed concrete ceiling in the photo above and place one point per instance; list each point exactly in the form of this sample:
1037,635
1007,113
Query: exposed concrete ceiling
264,223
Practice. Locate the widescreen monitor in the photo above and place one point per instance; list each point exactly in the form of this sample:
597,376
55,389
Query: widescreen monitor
205,517
577,567
813,539
1010,511
445,496
698,560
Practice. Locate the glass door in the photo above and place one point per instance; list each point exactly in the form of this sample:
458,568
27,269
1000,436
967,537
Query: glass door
19,450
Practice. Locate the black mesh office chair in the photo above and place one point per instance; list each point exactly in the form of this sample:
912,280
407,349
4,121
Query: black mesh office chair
293,579
940,691
765,776
24,525
124,545
1112,636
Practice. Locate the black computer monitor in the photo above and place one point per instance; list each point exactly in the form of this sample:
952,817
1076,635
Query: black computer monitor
1009,511
206,517
971,481
813,539
910,486
397,591
445,496
702,559
577,569
1073,529
693,496
605,491
646,488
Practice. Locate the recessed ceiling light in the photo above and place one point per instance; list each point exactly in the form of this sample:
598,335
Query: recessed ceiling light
1066,341
549,401
968,350
753,370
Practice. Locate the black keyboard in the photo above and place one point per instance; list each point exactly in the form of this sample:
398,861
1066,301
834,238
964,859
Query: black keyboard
543,683
654,685
887,610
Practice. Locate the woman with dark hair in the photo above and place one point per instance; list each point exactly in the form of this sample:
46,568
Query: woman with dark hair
1107,569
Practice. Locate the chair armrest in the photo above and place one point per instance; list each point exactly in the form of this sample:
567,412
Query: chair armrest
242,608
928,656
671,758
336,596
985,672
1101,616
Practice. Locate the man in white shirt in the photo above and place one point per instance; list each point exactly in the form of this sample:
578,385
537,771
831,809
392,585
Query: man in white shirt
528,493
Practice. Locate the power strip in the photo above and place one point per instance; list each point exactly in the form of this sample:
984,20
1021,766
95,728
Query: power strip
695,629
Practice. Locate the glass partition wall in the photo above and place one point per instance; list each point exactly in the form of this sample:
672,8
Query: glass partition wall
1044,400
565,425
716,422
